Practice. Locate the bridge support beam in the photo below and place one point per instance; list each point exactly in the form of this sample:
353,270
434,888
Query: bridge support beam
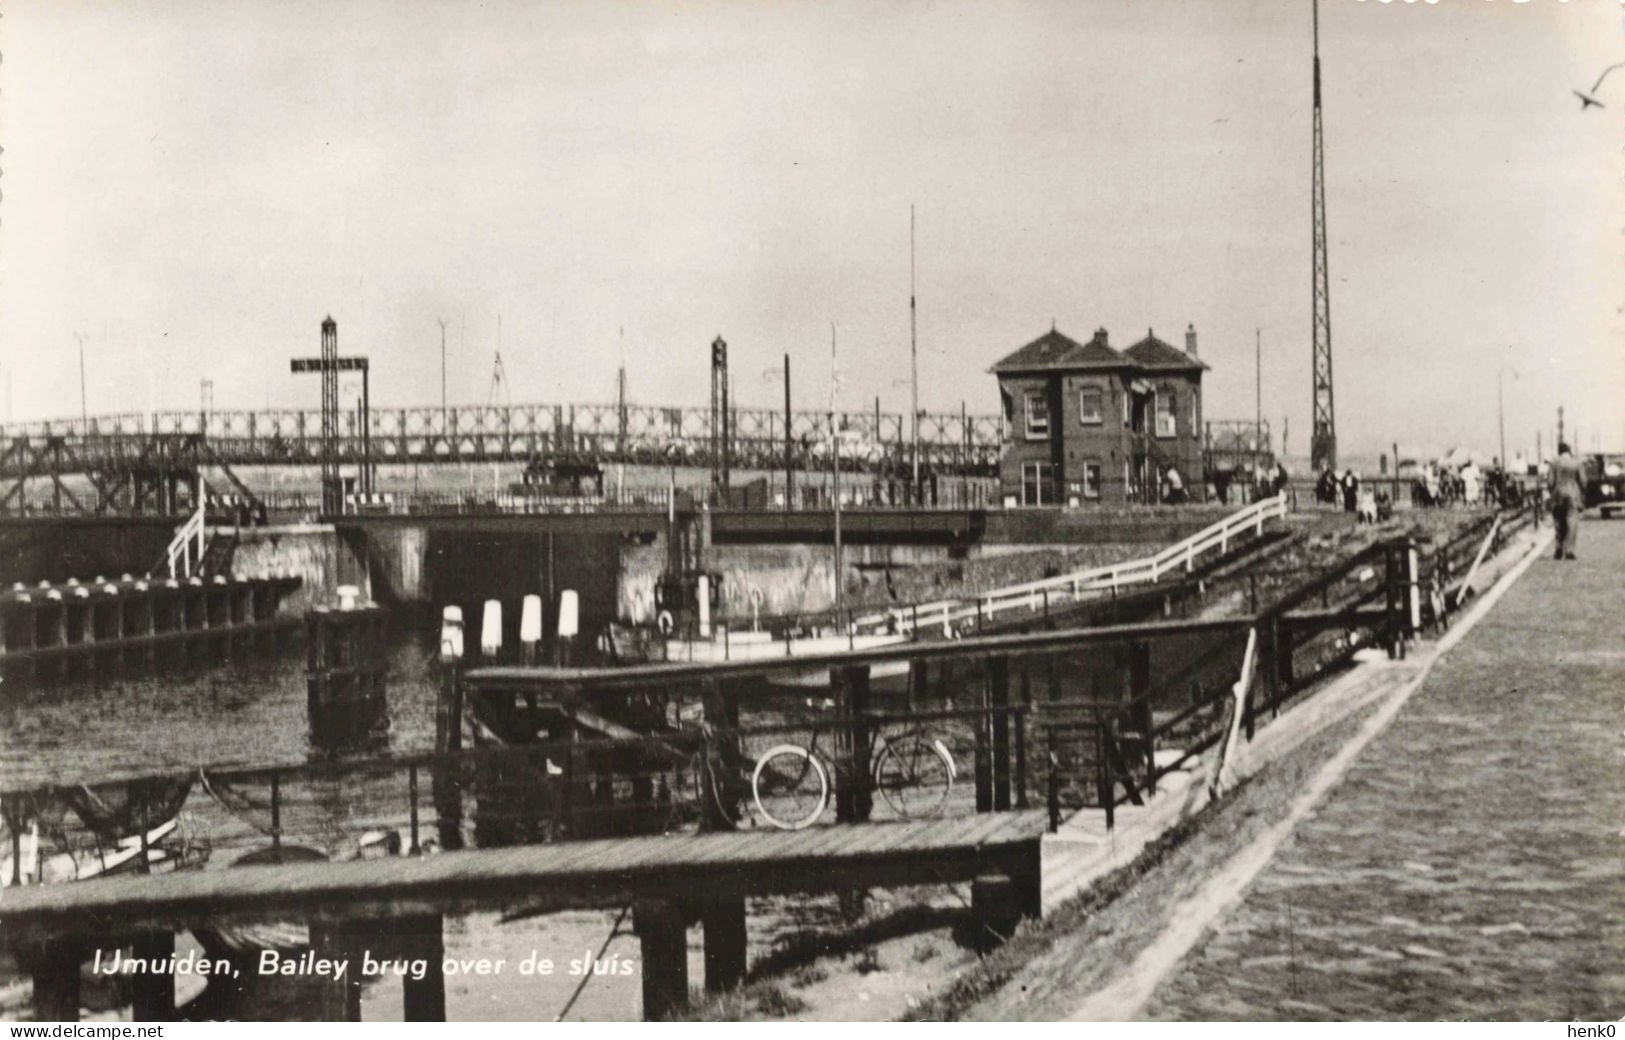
154,996
999,901
340,999
424,1000
723,919
663,941
55,970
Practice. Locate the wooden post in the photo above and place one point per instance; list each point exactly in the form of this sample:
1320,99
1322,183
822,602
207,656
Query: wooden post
854,799
720,752
998,672
445,781
55,970
154,992
424,1000
340,999
1139,670
723,919
994,911
981,767
663,942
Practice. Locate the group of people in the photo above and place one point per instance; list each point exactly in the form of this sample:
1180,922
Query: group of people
1270,482
1368,504
1444,485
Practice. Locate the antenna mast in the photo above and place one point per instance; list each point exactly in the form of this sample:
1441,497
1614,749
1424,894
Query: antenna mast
1323,439
499,376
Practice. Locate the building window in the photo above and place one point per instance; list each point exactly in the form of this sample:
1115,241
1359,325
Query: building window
1037,484
1091,406
1091,480
1195,424
1165,412
1037,415
1126,419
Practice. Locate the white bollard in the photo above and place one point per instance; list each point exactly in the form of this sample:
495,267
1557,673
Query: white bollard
451,634
491,628
702,593
569,614
348,595
530,627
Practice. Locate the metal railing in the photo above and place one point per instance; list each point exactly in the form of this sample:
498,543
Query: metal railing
1040,596
183,562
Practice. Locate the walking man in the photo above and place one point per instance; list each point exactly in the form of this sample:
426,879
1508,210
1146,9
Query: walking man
1567,501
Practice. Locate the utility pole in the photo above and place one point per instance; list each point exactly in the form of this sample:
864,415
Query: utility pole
789,472
84,410
913,355
1323,438
1258,394
1500,408
442,322
835,475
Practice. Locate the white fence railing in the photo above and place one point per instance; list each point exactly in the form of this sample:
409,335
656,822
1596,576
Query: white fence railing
1045,594
186,548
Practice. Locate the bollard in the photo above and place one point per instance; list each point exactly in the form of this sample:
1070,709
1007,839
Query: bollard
345,664
491,628
445,783
702,594
569,624
530,628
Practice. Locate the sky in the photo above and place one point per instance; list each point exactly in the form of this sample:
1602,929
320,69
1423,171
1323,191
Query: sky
191,187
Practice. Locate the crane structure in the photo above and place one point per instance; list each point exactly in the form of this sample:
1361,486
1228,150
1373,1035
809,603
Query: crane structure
1323,437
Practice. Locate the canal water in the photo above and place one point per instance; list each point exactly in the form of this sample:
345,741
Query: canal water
255,713
1471,865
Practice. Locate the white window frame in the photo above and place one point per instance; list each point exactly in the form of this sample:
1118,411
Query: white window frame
1195,424
1037,469
1084,418
1157,397
1035,432
1091,487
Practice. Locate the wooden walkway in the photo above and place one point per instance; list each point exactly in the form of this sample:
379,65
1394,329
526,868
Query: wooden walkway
610,872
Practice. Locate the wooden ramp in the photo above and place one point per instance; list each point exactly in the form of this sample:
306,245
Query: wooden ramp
611,872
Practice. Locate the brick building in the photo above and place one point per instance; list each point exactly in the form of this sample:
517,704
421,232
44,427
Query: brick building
1088,423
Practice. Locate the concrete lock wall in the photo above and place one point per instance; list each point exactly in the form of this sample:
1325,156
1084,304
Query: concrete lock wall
435,564
791,579
313,552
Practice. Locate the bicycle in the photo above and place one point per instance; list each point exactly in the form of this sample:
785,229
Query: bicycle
790,784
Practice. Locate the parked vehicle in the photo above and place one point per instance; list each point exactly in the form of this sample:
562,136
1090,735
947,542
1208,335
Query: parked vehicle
1605,483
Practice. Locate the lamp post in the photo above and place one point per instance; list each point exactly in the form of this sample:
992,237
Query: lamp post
84,411
1500,407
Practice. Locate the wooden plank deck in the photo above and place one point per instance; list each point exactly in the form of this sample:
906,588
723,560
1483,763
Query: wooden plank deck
606,872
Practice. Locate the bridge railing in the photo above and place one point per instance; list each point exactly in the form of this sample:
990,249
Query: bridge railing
185,552
1040,596
646,423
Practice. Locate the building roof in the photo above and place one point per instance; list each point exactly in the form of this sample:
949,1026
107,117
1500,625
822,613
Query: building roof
1056,350
1153,353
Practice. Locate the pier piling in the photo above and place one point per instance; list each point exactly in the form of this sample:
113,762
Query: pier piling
663,940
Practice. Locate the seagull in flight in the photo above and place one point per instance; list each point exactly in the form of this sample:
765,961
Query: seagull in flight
1588,100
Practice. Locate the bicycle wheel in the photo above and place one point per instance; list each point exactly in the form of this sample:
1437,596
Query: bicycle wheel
914,776
790,787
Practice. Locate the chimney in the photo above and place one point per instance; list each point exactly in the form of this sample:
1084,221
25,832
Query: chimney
1190,339
1100,336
